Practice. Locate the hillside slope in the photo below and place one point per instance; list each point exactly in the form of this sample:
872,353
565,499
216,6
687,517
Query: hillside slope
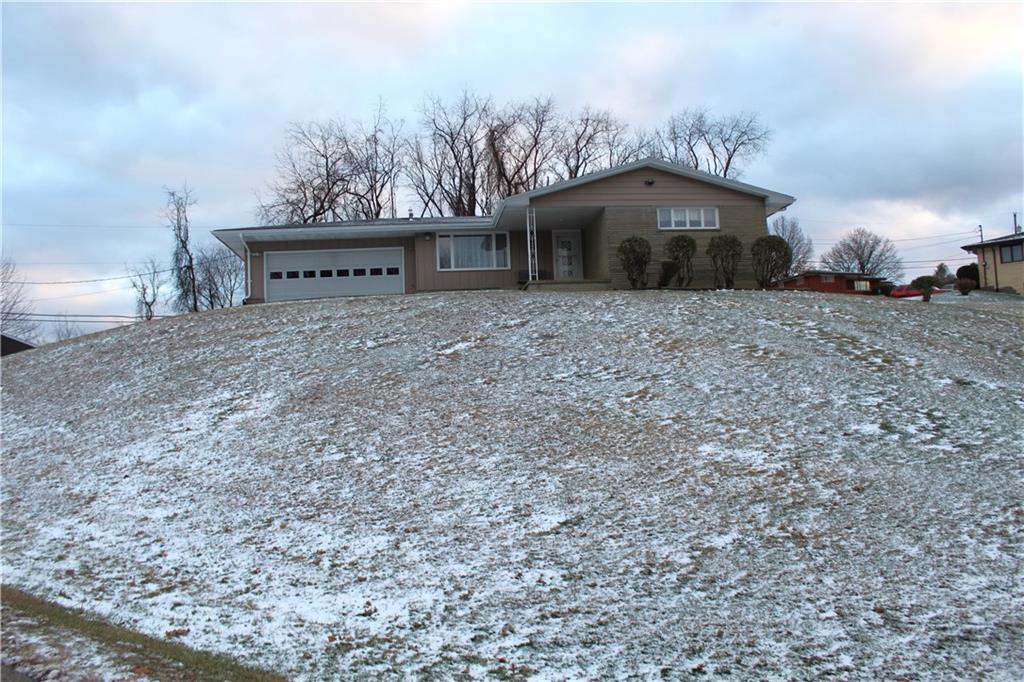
584,485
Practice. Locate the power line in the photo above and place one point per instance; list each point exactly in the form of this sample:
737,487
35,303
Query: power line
76,321
99,279
96,227
111,279
87,293
910,239
104,316
100,226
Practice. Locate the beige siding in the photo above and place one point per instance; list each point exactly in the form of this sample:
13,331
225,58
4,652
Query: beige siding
628,189
428,278
1007,275
595,250
746,222
256,291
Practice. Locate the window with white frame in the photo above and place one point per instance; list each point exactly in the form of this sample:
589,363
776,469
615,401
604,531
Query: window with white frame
687,218
473,251
861,285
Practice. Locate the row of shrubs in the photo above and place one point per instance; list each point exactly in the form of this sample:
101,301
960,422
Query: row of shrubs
966,281
770,256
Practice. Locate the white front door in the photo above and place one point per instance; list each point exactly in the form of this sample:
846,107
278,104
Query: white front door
568,254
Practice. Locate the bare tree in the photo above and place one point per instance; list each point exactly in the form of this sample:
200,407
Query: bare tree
375,163
715,144
448,160
65,329
594,140
683,140
522,139
801,246
146,283
865,252
221,276
313,176
183,267
16,314
732,139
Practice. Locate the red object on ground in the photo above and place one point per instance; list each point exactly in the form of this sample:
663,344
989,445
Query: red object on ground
905,291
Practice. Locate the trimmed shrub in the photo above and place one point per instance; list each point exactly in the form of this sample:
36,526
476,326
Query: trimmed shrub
969,272
885,288
965,286
725,252
668,272
635,256
925,283
771,259
680,250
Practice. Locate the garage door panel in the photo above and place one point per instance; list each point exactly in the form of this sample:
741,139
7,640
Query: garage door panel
293,275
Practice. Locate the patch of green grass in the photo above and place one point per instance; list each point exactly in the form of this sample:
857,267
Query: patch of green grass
153,657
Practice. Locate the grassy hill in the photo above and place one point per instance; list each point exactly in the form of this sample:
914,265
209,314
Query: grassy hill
581,485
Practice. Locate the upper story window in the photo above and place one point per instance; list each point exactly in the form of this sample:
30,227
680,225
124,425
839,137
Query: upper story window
1011,254
473,251
687,218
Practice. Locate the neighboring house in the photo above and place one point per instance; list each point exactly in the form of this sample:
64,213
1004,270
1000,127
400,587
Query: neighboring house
567,232
9,344
833,282
1000,262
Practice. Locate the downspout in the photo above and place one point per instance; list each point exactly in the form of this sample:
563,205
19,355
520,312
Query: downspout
995,265
248,270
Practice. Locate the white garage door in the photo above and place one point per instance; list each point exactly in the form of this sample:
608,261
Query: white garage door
292,275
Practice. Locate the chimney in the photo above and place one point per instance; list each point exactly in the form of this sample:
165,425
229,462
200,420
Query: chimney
410,214
1016,226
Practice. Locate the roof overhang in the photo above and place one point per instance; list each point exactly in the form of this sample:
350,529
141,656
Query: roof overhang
1007,240
240,238
774,201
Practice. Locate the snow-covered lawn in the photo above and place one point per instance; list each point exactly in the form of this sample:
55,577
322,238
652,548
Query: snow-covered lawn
765,485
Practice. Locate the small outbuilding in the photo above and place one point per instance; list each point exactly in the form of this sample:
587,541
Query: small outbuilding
10,344
833,282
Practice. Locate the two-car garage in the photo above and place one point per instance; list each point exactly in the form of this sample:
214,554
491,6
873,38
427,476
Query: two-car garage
292,275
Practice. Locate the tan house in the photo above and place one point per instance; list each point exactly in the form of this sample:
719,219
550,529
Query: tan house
565,234
1000,262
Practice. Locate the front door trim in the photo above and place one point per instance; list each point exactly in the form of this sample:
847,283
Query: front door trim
556,271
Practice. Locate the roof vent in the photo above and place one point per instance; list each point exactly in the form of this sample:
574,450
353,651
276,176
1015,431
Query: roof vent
410,214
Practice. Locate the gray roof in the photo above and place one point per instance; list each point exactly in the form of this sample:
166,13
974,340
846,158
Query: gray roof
775,201
235,238
1005,240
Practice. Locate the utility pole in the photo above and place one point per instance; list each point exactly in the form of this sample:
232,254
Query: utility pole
984,258
1016,227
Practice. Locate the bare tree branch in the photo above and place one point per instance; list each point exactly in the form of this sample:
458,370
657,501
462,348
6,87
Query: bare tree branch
186,290
16,310
146,284
64,330
790,230
448,160
521,141
697,139
865,252
313,176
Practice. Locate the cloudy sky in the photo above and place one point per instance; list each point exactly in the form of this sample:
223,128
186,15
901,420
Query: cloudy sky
903,119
